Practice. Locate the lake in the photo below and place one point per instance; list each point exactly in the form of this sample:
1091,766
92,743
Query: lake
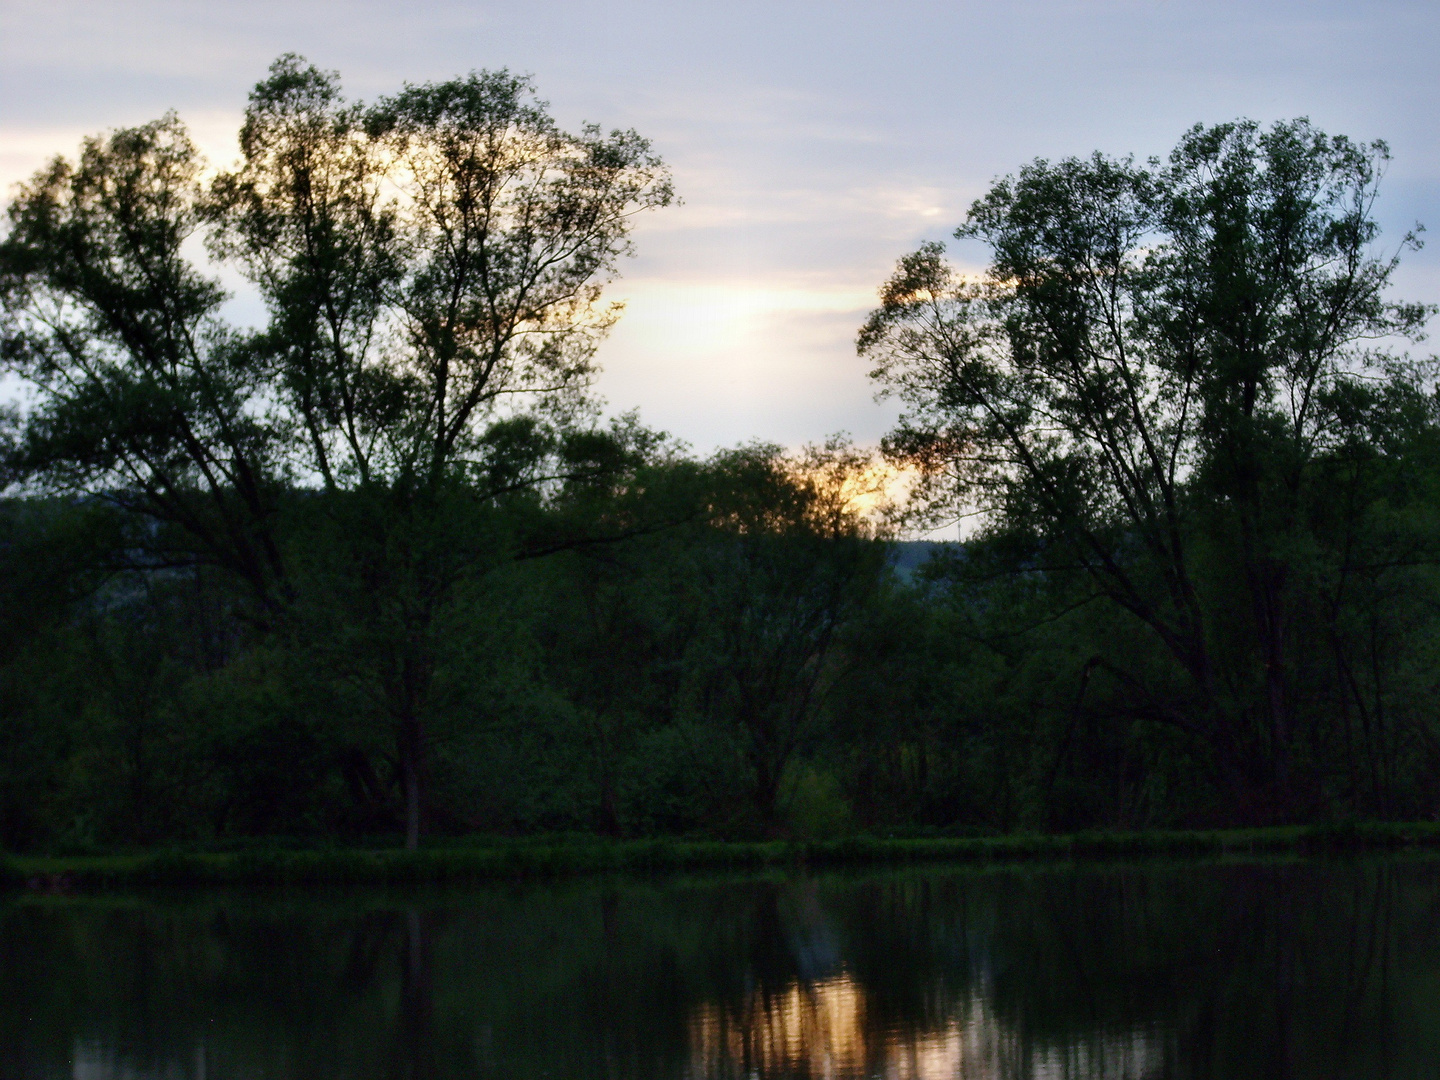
1282,969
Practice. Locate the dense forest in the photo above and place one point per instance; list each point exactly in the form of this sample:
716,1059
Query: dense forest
380,567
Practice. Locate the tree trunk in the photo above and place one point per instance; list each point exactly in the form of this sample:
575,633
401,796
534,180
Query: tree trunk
609,815
1270,616
767,792
411,750
411,691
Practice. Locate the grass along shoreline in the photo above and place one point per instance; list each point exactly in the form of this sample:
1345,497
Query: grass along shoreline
491,860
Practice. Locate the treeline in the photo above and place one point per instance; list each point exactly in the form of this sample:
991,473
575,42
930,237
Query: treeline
377,567
669,673
746,663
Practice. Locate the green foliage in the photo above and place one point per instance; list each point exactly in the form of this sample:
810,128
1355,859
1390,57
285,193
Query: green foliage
1154,395
378,568
432,266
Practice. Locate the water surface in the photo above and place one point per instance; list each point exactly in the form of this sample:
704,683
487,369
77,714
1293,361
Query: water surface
1275,970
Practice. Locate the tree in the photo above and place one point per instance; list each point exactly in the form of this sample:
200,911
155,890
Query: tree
432,267
700,661
789,560
1142,384
144,394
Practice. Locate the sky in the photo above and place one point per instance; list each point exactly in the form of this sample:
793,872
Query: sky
812,143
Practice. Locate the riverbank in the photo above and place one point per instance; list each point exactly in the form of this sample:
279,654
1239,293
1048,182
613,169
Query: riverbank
491,859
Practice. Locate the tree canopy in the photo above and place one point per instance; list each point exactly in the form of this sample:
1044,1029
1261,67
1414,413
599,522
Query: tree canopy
1158,371
379,565
432,266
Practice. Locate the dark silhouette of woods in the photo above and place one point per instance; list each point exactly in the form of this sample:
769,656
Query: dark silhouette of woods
378,567
1165,374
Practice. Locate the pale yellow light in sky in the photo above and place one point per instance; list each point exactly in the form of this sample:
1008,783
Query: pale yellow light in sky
720,315
716,360
23,151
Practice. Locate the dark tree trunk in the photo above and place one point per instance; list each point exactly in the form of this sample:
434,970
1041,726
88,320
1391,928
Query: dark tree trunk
411,692
411,771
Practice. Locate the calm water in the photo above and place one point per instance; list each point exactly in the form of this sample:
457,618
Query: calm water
1326,969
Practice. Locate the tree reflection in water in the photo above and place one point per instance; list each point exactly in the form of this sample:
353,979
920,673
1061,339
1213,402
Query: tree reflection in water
821,1031
1306,971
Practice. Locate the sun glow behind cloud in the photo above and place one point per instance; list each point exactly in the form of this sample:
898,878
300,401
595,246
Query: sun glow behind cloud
723,321
721,361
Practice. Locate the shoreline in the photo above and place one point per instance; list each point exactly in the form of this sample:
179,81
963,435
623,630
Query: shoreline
499,860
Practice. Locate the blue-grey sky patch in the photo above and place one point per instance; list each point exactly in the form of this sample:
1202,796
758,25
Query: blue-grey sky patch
813,143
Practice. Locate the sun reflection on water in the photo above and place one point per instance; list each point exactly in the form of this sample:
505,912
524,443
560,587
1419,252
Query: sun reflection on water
825,1030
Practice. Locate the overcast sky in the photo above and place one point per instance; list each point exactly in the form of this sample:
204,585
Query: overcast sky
812,143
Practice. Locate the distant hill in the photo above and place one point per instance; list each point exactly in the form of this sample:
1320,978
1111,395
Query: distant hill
910,555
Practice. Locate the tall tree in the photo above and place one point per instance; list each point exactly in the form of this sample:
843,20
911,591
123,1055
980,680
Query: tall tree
145,396
1146,374
432,266
790,560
